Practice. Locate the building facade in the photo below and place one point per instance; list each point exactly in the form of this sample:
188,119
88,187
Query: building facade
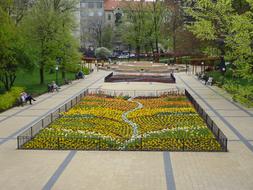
91,21
95,15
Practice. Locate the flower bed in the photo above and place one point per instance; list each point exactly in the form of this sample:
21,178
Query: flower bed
164,123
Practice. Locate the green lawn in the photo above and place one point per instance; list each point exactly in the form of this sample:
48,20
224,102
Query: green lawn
30,80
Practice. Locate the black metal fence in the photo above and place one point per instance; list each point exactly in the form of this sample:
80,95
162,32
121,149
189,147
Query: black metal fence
139,144
137,93
47,120
219,143
219,135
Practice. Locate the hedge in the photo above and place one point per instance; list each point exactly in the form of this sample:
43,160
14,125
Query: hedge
9,99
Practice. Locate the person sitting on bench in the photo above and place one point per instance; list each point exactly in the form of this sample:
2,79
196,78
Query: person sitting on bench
26,98
50,88
80,75
55,86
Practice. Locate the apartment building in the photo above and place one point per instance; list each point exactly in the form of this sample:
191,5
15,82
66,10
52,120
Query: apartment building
91,19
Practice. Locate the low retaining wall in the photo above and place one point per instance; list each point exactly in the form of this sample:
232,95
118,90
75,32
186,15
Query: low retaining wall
140,78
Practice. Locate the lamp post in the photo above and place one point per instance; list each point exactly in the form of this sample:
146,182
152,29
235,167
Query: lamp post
223,71
56,69
202,66
58,61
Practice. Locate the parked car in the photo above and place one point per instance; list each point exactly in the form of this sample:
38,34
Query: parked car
123,56
132,55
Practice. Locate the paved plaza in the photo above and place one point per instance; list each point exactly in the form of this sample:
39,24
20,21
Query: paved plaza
94,170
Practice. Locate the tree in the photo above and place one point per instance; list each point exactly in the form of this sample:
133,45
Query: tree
135,23
227,27
102,53
96,29
48,27
157,11
13,54
107,37
180,39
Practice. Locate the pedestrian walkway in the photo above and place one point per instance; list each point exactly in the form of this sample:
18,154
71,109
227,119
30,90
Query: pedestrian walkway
93,170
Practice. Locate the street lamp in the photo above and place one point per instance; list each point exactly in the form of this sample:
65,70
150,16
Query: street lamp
58,61
57,69
202,66
223,71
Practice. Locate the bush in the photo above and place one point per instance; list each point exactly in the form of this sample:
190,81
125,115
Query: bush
241,94
102,53
240,89
10,98
86,70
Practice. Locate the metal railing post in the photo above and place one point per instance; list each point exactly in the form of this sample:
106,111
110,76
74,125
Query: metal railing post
226,145
141,142
42,123
58,141
18,142
99,143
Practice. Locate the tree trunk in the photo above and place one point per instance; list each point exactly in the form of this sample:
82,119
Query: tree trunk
42,74
174,47
157,51
8,80
138,49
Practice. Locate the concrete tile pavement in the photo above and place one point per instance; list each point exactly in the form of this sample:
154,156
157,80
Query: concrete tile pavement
214,171
133,170
114,171
232,170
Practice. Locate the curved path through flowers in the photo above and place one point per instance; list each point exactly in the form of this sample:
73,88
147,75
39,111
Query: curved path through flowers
134,125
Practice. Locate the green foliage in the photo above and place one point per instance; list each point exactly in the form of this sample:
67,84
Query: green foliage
144,23
240,89
86,70
242,94
13,52
107,37
228,25
10,98
102,53
31,80
49,27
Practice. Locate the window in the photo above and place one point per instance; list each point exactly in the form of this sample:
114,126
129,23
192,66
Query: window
90,5
83,14
99,5
91,13
109,16
100,13
83,5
